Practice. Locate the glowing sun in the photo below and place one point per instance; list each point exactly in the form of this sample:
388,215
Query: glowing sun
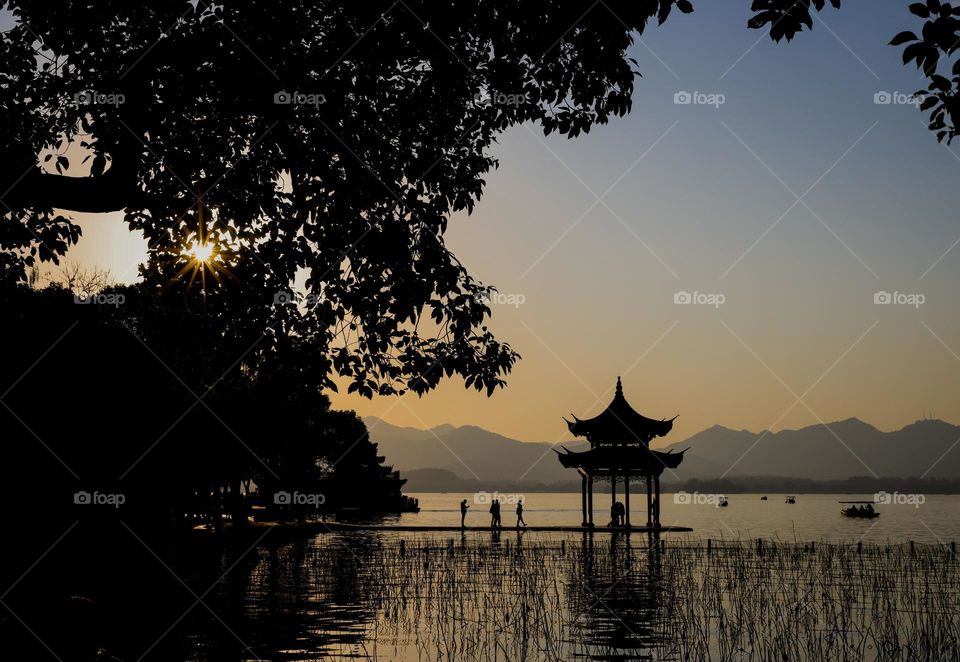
201,252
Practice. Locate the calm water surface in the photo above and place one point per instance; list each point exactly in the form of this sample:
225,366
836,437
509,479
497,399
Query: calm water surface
812,517
510,595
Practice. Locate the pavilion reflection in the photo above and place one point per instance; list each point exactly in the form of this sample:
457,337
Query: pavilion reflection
616,599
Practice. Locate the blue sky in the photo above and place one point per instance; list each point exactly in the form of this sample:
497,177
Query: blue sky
711,184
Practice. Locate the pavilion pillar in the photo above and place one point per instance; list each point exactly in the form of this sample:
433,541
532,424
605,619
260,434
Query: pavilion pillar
590,500
583,497
626,499
649,504
613,489
656,507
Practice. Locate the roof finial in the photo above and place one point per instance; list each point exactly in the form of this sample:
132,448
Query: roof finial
619,387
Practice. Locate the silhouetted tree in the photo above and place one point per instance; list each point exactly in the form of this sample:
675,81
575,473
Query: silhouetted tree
81,280
161,409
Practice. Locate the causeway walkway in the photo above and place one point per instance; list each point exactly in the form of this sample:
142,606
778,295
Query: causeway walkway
344,526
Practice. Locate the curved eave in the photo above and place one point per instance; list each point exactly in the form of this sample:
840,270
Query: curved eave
638,459
612,427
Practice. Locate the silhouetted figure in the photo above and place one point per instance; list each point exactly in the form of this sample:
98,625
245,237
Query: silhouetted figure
617,514
495,514
463,513
520,514
868,508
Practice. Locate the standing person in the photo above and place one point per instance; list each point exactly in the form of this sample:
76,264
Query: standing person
494,513
520,514
463,513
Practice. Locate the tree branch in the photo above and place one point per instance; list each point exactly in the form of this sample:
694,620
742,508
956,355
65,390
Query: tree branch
112,191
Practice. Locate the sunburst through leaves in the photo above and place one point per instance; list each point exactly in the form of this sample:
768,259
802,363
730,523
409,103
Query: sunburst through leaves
204,253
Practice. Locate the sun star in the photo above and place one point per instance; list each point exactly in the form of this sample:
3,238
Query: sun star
201,252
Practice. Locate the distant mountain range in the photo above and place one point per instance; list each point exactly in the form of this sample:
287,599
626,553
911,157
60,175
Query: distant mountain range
468,457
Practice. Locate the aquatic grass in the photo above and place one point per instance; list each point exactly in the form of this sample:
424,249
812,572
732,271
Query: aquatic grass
560,597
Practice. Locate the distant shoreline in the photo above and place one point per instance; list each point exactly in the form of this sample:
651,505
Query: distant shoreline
746,485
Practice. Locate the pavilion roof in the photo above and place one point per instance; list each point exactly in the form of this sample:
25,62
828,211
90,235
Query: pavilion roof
638,460
619,423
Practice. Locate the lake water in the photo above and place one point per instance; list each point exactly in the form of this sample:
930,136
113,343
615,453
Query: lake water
514,595
814,517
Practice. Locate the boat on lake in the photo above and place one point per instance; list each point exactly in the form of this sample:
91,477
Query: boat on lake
859,513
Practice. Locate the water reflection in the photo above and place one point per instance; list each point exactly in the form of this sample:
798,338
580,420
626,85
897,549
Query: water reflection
472,596
358,595
616,597
294,601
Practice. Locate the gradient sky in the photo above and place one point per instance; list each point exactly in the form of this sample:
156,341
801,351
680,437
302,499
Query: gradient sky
701,201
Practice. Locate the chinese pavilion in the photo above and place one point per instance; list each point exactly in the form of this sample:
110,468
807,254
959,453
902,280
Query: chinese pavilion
620,448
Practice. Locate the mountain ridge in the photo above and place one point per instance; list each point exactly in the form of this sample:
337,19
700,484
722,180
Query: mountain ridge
837,450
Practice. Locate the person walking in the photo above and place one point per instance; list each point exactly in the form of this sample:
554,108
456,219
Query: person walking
520,514
463,513
495,514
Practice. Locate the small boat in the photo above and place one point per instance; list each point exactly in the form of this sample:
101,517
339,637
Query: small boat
791,499
763,498
859,513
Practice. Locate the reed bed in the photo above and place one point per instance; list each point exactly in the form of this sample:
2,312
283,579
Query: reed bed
562,597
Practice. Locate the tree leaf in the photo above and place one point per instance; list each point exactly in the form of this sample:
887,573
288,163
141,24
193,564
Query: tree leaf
903,38
99,165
